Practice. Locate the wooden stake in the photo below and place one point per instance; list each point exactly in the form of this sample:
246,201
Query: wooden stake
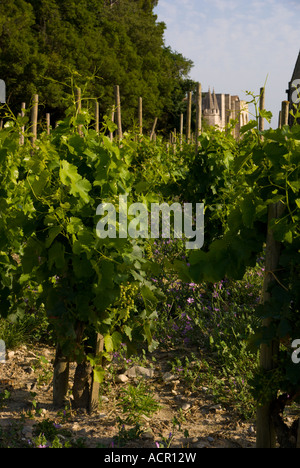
265,430
34,118
78,100
111,134
23,106
174,139
279,119
181,131
78,107
118,110
153,128
285,109
141,116
261,124
189,117
48,123
198,115
97,116
94,396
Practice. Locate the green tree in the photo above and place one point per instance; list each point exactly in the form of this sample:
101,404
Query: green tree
18,48
46,46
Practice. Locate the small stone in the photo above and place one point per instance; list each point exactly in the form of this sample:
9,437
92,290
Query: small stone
44,412
210,439
168,377
10,354
148,434
186,406
251,430
31,387
76,427
137,371
146,418
201,444
27,430
216,408
104,399
121,378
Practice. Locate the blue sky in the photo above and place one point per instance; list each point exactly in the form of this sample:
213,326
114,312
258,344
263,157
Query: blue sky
236,45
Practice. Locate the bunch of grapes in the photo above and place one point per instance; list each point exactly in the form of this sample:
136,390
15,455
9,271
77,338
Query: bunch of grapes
126,301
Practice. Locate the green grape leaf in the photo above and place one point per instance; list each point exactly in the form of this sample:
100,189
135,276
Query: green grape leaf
77,185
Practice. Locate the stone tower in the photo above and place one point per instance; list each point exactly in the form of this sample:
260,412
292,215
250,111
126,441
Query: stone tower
219,109
211,110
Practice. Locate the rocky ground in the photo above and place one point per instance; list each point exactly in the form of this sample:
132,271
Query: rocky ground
26,400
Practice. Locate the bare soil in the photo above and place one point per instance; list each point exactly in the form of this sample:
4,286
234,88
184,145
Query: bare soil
28,380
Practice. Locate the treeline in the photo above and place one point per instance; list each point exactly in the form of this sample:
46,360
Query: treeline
48,46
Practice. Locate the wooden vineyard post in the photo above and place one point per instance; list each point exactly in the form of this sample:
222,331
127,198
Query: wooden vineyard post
284,114
111,134
261,124
279,119
23,107
78,107
181,131
48,123
34,118
153,129
174,139
265,430
118,110
189,117
97,117
94,397
78,100
20,133
198,115
140,116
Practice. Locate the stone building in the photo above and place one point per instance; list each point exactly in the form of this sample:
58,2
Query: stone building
294,88
219,109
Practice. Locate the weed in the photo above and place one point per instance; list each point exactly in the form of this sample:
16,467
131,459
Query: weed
125,435
166,442
136,401
4,396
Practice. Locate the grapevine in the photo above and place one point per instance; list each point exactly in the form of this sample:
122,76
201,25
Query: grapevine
90,286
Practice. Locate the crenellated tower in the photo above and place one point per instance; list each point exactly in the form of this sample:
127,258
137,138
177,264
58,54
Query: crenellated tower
211,110
219,109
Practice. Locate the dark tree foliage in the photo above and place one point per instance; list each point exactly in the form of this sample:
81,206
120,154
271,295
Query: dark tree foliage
50,46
